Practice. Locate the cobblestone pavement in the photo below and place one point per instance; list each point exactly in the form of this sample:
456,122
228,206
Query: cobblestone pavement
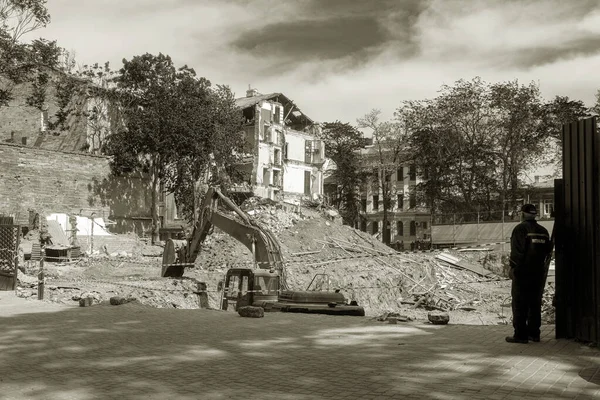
136,352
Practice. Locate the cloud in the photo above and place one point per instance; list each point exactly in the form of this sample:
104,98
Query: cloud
346,32
339,58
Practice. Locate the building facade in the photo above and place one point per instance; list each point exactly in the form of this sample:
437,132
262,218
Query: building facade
284,156
409,223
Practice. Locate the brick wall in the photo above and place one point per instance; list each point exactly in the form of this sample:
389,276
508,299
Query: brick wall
62,182
19,120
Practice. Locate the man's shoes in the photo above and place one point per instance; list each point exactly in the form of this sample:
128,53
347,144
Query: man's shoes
512,339
534,338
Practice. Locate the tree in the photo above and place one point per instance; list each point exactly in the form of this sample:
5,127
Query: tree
175,128
342,143
220,141
390,143
557,112
519,139
20,62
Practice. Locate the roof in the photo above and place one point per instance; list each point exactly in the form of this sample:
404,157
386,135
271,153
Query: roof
245,102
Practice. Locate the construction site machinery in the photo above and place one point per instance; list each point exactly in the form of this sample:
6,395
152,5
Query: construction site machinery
260,288
264,285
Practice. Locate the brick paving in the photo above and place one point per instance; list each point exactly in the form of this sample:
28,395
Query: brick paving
135,352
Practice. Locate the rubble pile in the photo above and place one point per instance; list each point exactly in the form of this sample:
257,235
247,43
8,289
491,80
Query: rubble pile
321,253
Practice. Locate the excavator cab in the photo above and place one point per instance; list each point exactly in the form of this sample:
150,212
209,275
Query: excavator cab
249,287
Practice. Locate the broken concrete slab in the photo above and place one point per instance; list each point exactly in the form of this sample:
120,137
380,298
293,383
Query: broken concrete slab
251,312
463,264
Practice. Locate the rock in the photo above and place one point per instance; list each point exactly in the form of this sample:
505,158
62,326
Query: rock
438,317
86,302
96,297
118,300
251,312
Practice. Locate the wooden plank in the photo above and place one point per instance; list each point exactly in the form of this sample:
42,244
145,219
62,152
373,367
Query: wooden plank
463,264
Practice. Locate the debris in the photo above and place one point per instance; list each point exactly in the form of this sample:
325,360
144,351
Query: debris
460,263
86,302
251,312
117,300
438,318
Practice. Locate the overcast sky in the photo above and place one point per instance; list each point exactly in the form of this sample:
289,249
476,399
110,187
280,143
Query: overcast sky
337,59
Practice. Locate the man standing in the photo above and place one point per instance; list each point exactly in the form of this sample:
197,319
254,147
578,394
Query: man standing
529,247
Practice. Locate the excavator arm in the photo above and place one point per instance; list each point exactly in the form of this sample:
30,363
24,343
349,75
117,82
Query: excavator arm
260,241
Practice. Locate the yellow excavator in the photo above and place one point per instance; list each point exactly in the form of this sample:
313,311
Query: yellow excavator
261,286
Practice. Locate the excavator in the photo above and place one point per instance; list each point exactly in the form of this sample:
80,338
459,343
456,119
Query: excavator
261,286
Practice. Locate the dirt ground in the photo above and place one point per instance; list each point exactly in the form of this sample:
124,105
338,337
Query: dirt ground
313,241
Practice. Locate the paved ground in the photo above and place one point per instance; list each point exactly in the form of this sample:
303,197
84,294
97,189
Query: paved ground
135,352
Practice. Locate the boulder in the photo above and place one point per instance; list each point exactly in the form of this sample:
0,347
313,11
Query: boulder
117,300
251,312
86,301
438,317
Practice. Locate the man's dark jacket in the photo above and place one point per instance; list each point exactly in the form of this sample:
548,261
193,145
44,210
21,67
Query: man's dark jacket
529,247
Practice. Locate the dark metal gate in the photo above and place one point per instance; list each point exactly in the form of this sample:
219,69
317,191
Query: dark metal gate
9,256
577,232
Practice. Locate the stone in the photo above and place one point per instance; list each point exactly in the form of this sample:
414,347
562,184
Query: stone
118,300
86,301
438,317
251,312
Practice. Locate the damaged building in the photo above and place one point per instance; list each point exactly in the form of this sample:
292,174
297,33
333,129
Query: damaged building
285,157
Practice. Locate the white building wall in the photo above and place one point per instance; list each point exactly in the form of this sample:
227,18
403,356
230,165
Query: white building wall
293,178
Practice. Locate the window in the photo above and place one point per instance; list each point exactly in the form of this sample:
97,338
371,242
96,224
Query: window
400,228
375,202
424,224
233,289
244,284
363,204
413,228
285,151
267,131
548,207
277,157
412,173
400,204
363,225
413,200
400,174
277,115
375,227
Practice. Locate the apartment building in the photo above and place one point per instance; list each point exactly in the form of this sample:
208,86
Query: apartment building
409,223
285,158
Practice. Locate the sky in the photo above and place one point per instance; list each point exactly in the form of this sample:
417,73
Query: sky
339,59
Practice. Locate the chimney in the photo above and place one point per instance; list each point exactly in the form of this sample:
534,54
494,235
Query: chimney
251,92
537,178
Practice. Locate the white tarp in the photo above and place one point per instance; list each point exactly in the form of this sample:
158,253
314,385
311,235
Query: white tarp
84,225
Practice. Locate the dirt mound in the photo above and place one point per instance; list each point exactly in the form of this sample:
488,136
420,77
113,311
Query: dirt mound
321,253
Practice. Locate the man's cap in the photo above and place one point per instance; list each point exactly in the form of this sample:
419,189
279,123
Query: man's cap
529,209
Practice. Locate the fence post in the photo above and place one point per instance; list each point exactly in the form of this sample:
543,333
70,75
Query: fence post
40,291
502,239
454,230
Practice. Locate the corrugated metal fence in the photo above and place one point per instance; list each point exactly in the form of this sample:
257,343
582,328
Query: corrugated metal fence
577,199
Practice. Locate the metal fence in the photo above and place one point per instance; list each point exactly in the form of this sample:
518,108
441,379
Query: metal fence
578,234
9,256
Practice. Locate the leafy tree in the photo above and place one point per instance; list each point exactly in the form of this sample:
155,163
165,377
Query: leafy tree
175,127
519,141
390,144
557,112
342,142
21,62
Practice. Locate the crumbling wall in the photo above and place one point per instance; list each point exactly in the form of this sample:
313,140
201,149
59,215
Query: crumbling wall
73,183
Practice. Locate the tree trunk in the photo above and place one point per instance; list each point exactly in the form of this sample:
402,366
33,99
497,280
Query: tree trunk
155,180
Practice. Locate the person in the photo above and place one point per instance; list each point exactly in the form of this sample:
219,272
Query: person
529,247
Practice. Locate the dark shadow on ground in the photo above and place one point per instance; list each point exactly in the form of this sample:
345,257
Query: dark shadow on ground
137,352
